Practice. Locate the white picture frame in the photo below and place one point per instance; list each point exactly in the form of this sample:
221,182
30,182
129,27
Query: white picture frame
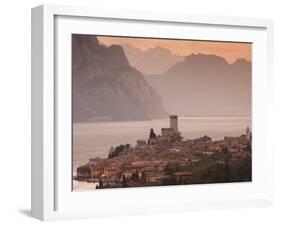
51,197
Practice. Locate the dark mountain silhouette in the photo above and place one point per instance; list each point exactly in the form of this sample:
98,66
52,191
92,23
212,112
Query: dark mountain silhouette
151,61
206,85
105,86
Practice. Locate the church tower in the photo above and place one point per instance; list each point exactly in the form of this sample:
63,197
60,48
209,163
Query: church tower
248,133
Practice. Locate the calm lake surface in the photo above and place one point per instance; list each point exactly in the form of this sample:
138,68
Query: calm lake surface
95,139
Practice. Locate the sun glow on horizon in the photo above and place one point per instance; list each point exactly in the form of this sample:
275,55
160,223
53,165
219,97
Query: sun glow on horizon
231,51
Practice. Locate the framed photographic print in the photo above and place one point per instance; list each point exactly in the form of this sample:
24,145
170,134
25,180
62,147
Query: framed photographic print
137,112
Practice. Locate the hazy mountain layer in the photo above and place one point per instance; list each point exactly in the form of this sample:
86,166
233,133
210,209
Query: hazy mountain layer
105,86
152,61
205,85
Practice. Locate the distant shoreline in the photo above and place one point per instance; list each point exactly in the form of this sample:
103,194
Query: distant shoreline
180,117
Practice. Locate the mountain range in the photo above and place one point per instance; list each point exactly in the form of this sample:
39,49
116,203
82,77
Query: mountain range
154,60
126,83
205,85
106,87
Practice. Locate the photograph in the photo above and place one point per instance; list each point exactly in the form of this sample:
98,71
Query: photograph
150,111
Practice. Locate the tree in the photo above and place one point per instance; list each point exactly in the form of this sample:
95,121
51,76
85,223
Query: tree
117,150
169,181
248,148
143,177
124,182
100,184
226,170
227,176
110,152
152,135
243,169
225,151
137,175
133,177
171,168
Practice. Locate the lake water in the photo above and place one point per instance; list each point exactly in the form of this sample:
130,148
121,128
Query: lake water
95,139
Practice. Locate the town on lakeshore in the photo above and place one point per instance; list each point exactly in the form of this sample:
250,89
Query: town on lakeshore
169,159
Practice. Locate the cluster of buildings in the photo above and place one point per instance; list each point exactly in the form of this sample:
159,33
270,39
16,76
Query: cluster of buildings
160,158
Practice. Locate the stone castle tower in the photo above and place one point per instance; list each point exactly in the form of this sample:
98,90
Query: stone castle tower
174,123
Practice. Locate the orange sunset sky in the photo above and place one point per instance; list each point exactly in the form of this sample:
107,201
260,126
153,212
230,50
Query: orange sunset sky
229,50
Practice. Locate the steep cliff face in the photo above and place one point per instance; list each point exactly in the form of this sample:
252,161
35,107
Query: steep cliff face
105,86
205,85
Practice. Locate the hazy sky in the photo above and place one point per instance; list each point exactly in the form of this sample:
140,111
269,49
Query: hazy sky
230,51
